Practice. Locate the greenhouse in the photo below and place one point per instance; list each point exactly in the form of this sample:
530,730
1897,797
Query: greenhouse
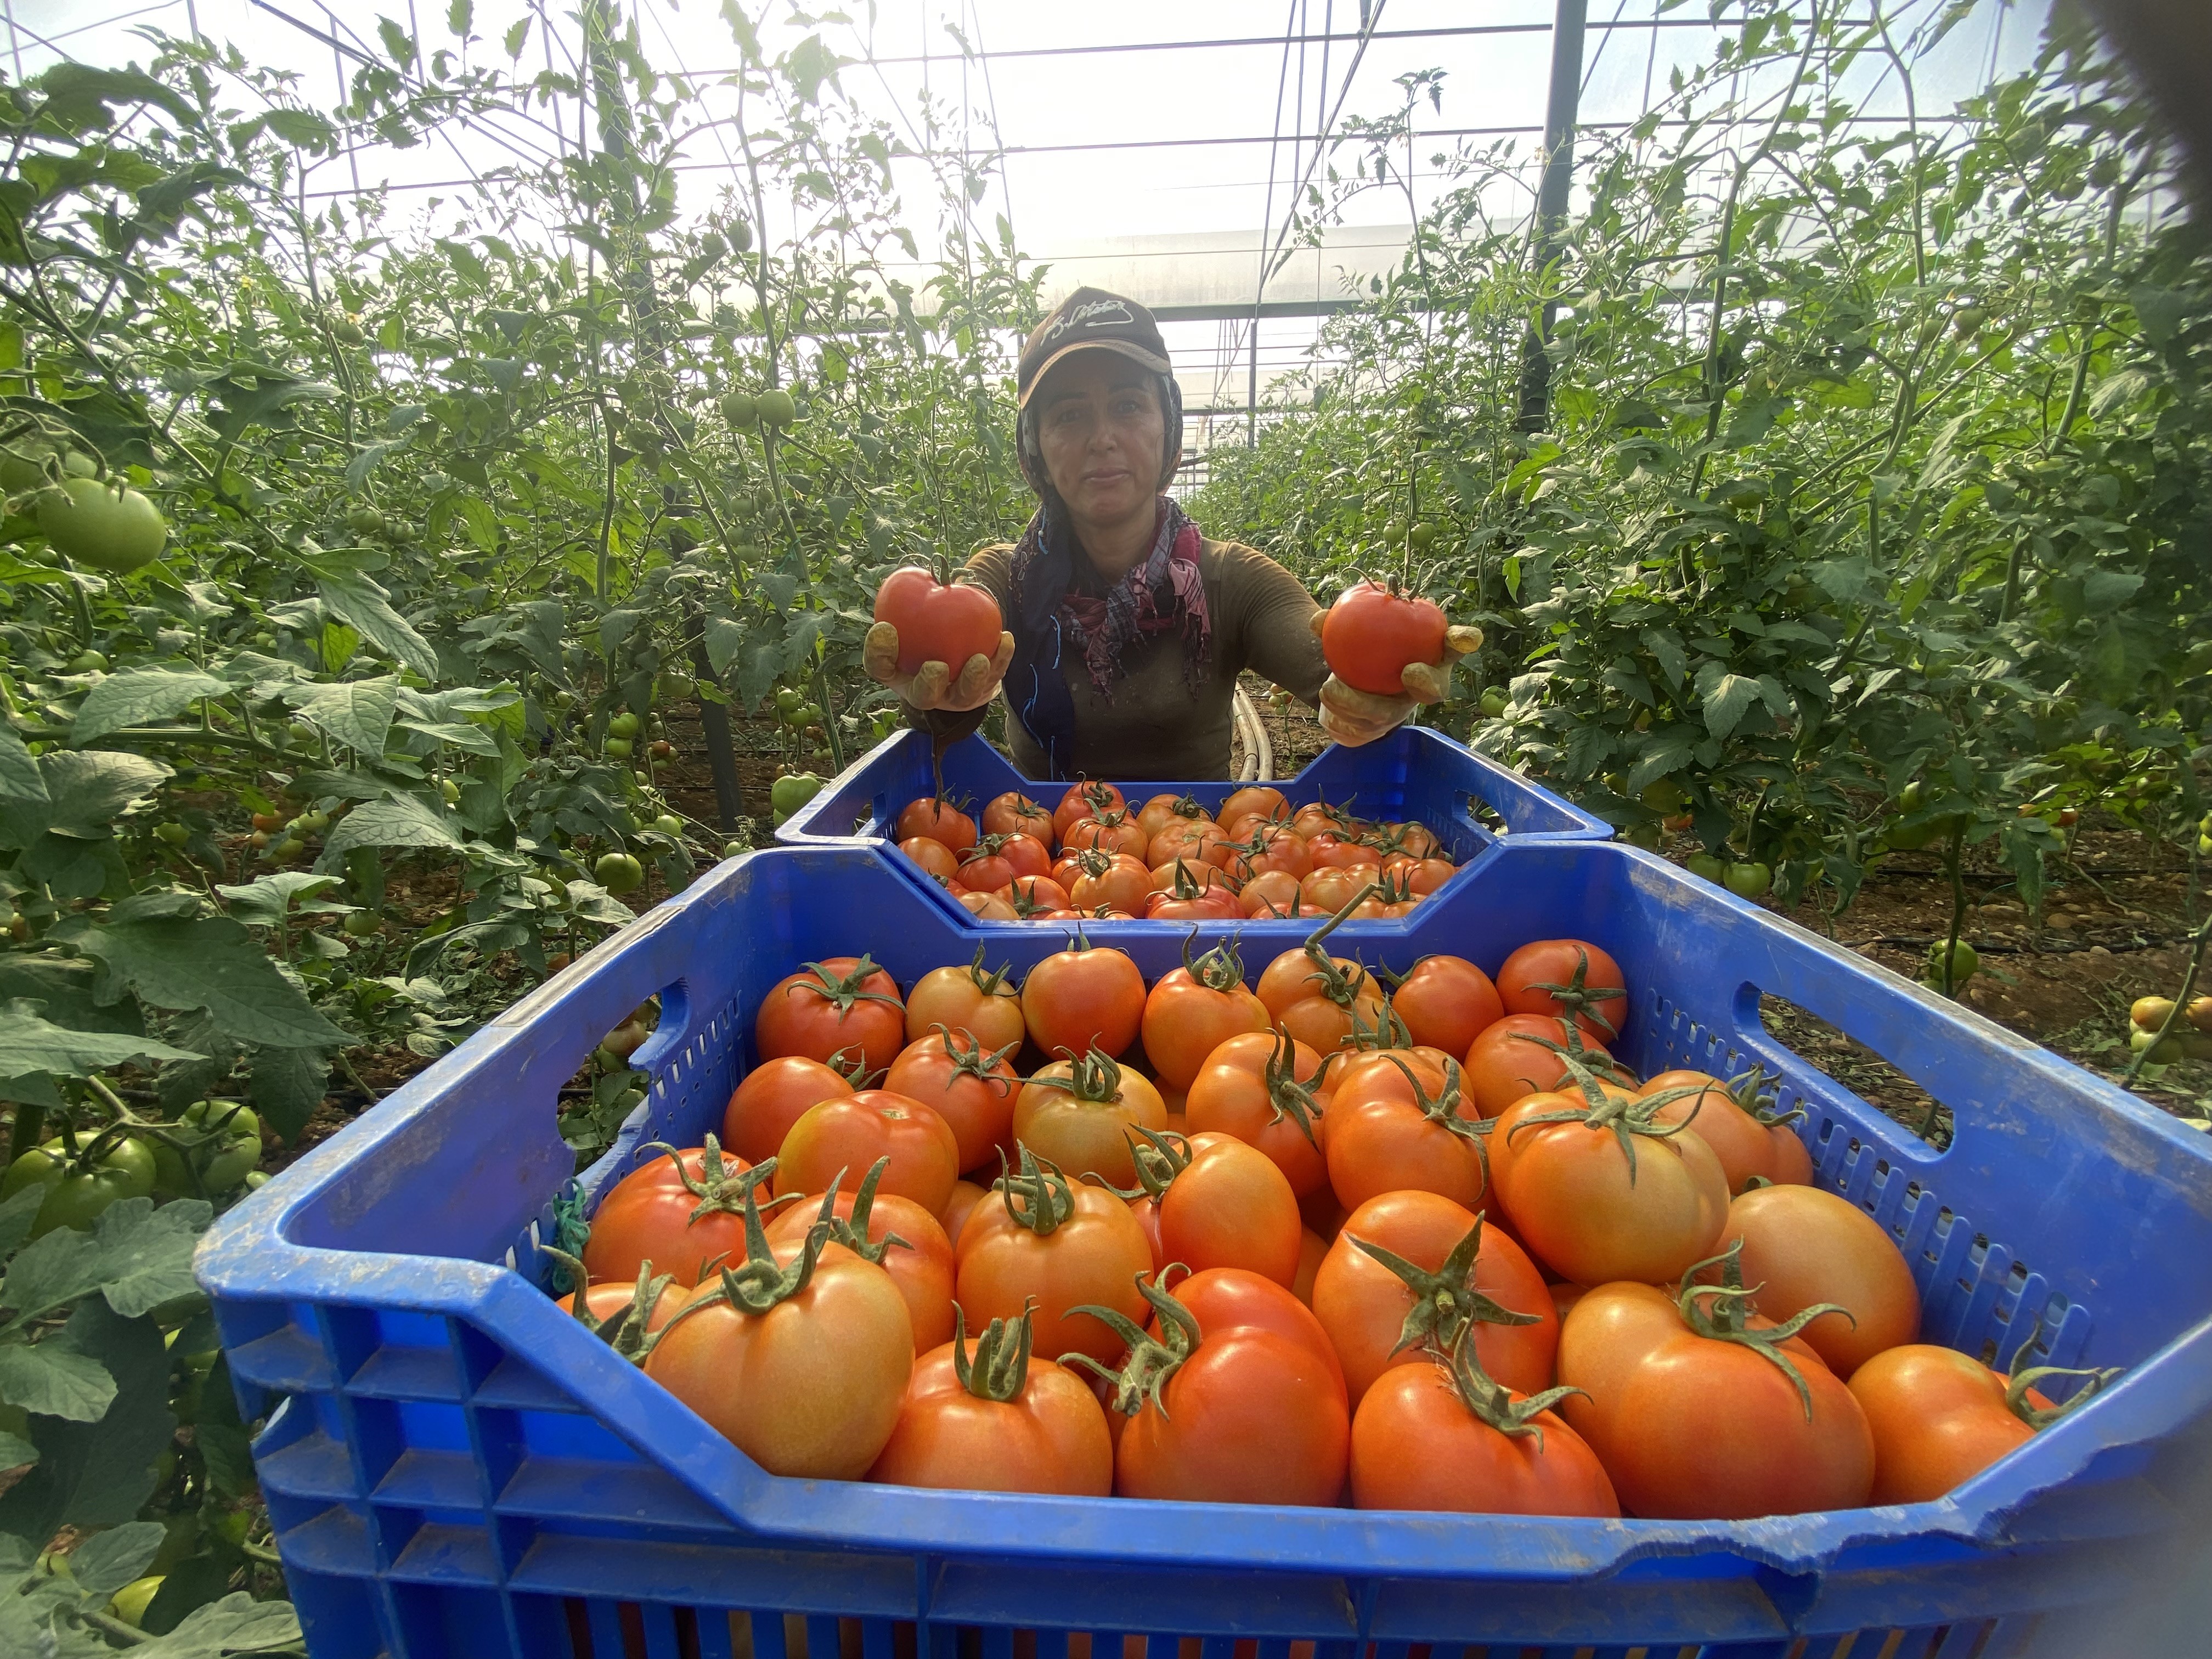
1342,830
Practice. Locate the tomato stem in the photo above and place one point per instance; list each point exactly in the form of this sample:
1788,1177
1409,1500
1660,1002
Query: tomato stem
1286,1096
1152,1361
1490,1400
1000,1368
1446,1303
1157,1163
2094,1381
1726,1318
1046,1199
1576,997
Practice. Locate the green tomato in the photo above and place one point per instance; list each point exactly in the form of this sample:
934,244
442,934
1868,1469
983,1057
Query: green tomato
76,1195
734,849
677,688
619,872
222,1140
777,817
88,662
1749,881
1645,836
669,825
788,794
788,701
313,820
616,748
129,1604
176,834
1493,702
623,724
364,520
96,525
810,714
1964,959
284,851
361,924
451,791
1664,796
741,409
777,407
1424,537
1706,867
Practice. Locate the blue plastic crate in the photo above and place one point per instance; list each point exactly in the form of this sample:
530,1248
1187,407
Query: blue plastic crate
1469,802
457,1471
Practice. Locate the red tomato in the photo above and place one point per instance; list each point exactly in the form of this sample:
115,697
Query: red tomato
1246,1415
852,1133
1083,998
1079,1114
970,999
1518,1055
1117,880
1803,1246
839,1005
1032,897
1185,839
970,1087
1269,847
966,1195
771,1099
1003,1421
1373,633
938,620
1273,893
678,1213
1209,904
1260,799
1232,1298
1329,851
1193,1010
1188,878
1452,1272
1601,1192
1442,1434
1318,999
1158,813
938,819
1316,817
1084,800
1563,977
986,907
1387,1133
1605,1334
1111,831
812,1386
1793,1159
1424,876
1259,1088
1413,840
1940,1418
867,1222
933,856
1039,1238
985,868
1221,1204
1447,1002
1014,813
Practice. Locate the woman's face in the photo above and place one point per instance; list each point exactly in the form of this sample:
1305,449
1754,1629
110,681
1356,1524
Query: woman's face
1103,434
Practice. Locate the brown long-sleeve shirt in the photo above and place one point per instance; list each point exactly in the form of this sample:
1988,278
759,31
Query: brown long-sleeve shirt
1156,724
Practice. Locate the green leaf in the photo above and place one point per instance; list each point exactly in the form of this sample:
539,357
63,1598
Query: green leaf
20,778
286,1086
137,696
104,1563
211,963
2103,590
17,1212
1725,701
138,1255
364,605
236,1624
2161,311
400,821
50,1378
357,713
1665,645
1665,753
515,39
85,795
265,901
98,1473
16,1451
724,639
30,1043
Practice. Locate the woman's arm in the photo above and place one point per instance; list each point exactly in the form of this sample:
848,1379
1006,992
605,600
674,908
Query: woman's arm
1274,618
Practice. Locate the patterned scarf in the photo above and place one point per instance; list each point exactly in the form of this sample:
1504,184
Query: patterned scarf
1164,592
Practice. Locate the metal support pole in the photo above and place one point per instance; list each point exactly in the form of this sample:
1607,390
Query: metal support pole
1553,197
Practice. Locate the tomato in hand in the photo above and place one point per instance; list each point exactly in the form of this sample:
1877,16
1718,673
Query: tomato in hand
1414,1263
971,999
852,1132
1083,998
896,1233
1037,1238
1803,1246
804,1373
1193,1010
1014,813
938,620
938,820
1260,1088
1081,1113
1220,1204
1375,631
773,1097
1567,977
1938,1418
843,1004
1002,1420
970,1087
1446,1002
1244,1415
1442,1434
1600,1192
680,1213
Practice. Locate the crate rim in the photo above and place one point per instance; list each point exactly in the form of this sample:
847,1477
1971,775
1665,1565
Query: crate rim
249,1255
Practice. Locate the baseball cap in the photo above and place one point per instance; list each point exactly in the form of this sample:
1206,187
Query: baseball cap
1088,318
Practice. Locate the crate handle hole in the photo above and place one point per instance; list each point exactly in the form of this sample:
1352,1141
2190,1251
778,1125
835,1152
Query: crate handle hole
1857,1070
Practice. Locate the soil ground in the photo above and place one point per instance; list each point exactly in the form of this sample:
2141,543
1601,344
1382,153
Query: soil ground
2116,916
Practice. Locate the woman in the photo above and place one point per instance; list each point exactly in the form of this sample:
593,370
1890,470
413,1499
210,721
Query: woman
1126,627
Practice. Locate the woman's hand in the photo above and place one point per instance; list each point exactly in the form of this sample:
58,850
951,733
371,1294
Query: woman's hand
935,685
1354,717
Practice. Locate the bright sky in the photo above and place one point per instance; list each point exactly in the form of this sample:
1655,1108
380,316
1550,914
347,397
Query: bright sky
1044,102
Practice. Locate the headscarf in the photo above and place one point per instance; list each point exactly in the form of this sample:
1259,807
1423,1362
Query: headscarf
1163,592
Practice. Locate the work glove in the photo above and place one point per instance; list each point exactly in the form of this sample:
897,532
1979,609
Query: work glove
1354,717
934,685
